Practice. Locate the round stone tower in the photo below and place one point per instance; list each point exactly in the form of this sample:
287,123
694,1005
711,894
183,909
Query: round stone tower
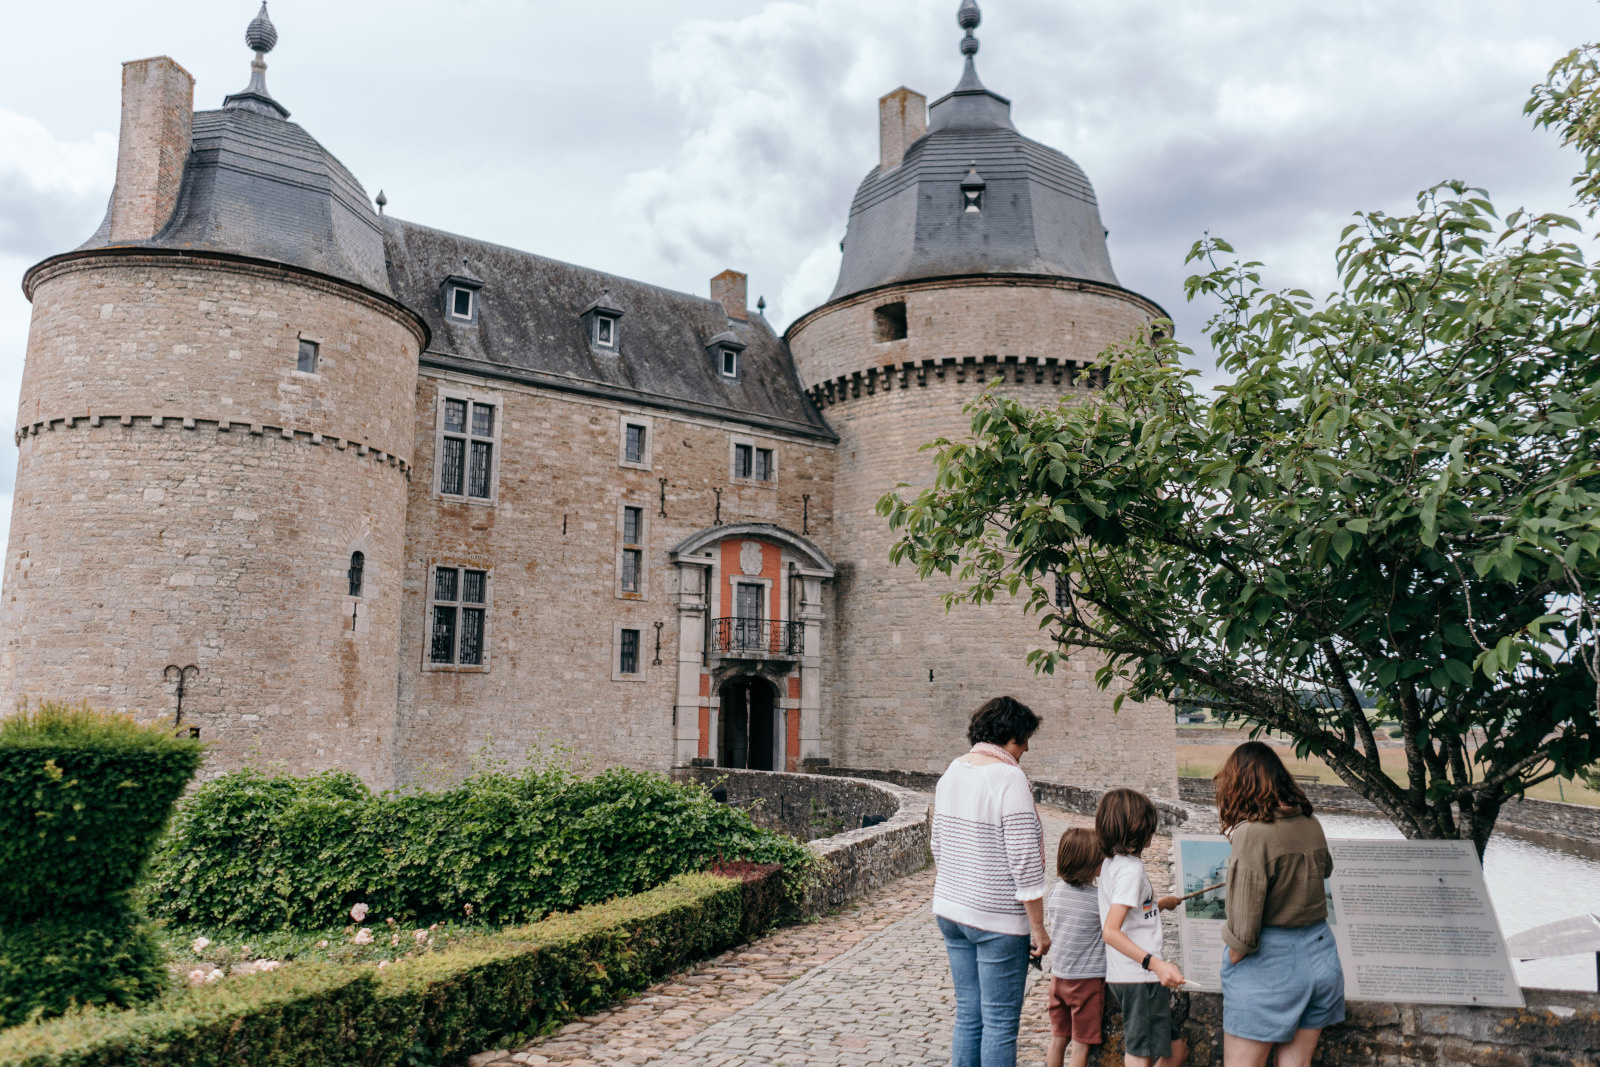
971,253
215,431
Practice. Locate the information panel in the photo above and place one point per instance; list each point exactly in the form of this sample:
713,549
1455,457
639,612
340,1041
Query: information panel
1412,920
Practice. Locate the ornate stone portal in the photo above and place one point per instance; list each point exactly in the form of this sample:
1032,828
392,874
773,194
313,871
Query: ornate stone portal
750,605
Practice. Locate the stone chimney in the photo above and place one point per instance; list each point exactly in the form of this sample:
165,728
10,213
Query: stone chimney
157,122
902,118
729,290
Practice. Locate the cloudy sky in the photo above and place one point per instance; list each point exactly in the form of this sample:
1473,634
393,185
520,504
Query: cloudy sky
667,140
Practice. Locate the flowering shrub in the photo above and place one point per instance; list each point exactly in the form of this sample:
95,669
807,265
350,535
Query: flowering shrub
252,852
83,797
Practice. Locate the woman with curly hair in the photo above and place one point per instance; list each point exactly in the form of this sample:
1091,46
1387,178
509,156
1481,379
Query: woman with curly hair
988,892
1281,978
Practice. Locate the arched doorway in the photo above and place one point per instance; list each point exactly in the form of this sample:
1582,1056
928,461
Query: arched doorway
747,734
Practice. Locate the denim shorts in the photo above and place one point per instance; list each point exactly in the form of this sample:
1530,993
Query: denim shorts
1293,981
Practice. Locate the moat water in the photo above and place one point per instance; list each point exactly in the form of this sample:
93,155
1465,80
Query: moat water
1530,884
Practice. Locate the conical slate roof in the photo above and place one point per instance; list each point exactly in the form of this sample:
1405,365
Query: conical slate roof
258,185
1038,213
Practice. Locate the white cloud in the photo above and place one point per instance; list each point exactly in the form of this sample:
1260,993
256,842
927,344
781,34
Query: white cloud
780,124
1264,121
52,192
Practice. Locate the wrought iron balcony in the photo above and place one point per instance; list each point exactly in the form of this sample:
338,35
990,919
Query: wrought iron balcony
757,637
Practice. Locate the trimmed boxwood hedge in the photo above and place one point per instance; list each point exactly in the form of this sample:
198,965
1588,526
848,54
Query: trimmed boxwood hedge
83,797
433,1009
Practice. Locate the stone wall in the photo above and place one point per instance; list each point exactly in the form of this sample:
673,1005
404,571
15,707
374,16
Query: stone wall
1573,827
1175,815
804,806
1556,1027
185,495
551,544
856,860
908,675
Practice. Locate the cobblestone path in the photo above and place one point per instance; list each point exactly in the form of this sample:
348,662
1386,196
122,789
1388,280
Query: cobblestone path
868,985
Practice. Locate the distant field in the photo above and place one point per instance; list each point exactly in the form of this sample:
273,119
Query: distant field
1202,761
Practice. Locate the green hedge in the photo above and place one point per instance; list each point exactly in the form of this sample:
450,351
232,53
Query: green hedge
83,797
80,957
252,853
433,1009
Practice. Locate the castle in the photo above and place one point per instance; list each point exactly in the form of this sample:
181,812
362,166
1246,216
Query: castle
399,494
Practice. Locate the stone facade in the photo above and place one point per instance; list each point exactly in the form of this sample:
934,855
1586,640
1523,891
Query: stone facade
185,495
901,658
551,543
406,497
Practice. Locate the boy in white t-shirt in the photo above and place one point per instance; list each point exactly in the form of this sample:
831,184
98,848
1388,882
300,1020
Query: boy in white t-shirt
1130,916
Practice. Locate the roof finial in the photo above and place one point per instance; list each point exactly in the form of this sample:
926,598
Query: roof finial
761,305
968,17
261,35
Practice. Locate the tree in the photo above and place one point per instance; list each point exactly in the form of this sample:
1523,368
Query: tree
1398,494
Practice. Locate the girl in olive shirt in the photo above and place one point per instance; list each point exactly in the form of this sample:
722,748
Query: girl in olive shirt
1281,979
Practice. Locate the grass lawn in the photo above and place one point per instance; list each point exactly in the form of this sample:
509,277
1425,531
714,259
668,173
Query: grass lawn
1203,761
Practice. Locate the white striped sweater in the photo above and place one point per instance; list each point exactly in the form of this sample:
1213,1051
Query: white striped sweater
987,844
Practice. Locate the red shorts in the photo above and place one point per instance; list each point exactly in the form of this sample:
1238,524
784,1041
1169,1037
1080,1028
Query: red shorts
1076,1005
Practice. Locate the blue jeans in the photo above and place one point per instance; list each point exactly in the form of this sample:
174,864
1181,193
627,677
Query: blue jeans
990,972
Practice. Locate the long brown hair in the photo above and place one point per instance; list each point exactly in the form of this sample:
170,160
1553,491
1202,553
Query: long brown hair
1125,822
1254,786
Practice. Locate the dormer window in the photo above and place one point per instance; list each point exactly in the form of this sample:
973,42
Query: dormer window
972,191
459,296
602,322
724,350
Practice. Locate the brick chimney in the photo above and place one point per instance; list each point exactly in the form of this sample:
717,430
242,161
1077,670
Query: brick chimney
729,290
157,122
902,118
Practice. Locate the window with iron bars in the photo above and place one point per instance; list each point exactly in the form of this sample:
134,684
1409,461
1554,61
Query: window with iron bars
466,449
458,611
628,652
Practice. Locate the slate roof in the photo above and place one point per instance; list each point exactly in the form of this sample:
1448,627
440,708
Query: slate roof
530,328
1039,211
257,185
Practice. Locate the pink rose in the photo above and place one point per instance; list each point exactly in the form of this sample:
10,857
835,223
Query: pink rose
359,912
363,937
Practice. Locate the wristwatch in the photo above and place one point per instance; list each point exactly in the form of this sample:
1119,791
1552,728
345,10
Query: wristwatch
1146,963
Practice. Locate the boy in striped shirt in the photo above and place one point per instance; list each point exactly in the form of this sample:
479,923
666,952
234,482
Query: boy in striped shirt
1077,951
